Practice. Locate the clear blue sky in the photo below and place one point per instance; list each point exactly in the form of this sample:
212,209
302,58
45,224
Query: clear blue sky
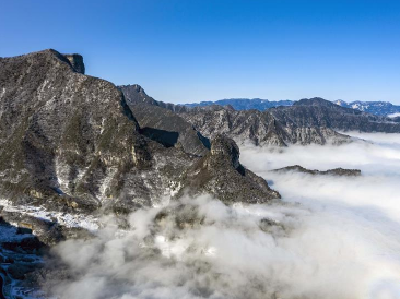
190,50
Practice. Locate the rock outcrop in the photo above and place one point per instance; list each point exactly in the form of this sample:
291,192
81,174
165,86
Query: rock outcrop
219,172
333,172
76,61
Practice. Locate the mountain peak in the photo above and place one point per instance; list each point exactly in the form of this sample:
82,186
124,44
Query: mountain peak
317,101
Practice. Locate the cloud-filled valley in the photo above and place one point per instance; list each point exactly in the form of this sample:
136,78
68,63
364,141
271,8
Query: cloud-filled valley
330,237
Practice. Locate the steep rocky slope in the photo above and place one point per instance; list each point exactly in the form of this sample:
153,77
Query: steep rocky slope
71,142
313,120
159,122
308,121
135,94
258,127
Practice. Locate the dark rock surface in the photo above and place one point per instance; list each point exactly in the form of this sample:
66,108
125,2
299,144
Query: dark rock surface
334,172
135,94
159,122
76,61
155,120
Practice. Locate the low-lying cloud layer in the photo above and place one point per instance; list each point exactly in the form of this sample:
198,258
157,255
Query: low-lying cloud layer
331,237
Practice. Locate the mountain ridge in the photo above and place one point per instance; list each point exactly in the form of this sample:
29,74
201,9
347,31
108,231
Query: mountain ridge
378,108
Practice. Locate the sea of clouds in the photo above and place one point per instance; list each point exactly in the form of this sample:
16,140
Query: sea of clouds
329,237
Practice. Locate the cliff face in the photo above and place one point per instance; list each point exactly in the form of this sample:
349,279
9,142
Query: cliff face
71,141
258,127
76,61
160,122
308,121
63,132
219,172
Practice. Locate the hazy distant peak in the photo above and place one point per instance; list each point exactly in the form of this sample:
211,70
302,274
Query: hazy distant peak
317,101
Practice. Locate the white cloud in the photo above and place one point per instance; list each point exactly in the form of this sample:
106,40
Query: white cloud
333,237
396,114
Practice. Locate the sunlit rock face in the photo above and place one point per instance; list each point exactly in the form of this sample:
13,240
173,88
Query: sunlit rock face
257,127
72,140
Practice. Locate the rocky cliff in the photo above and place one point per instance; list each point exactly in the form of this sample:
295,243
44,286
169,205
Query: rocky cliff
257,127
71,142
76,61
160,122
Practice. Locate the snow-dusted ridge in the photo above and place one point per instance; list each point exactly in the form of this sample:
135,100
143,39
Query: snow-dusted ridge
69,220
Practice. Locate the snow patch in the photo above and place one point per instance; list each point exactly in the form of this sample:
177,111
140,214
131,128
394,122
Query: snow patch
68,220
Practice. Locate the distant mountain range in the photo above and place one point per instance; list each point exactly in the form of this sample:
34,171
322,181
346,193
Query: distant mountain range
244,104
379,108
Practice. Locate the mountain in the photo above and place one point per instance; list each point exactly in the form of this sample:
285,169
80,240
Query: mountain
71,142
74,147
135,95
72,150
379,108
320,113
258,127
244,104
307,121
332,172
